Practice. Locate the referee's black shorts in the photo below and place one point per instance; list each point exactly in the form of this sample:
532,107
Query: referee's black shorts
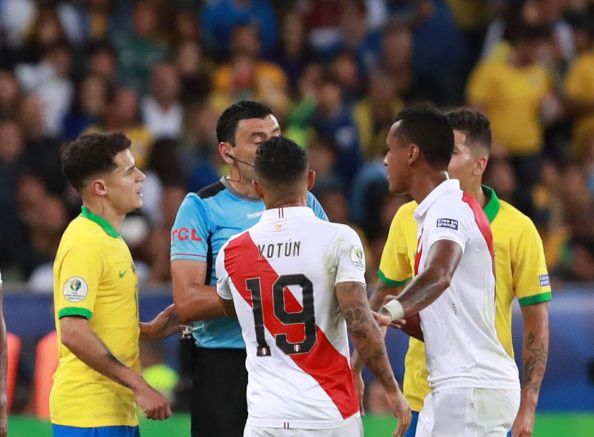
219,406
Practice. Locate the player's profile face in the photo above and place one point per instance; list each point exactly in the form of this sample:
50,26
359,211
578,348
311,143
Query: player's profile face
124,184
395,162
463,160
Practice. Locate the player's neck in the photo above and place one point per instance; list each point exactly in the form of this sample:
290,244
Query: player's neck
241,186
106,212
285,202
424,183
476,191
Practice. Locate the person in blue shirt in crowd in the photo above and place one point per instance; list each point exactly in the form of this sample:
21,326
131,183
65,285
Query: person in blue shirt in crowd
204,222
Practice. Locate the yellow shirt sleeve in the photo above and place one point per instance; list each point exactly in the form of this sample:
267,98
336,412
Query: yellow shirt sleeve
574,81
79,275
395,267
529,269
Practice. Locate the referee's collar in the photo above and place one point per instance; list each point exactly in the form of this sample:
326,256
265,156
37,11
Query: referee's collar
105,225
282,213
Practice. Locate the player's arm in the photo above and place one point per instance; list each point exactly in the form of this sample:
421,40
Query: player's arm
223,287
3,368
369,343
77,335
535,350
193,299
442,260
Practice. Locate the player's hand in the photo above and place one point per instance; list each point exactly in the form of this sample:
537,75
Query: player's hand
383,320
154,405
524,423
401,411
398,324
166,323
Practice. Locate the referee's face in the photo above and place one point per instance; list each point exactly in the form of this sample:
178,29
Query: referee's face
124,184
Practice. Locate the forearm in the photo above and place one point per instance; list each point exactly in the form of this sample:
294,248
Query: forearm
423,290
197,303
3,355
369,345
534,353
91,350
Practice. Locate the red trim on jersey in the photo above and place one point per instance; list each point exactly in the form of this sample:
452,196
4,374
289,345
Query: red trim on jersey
419,254
483,224
323,362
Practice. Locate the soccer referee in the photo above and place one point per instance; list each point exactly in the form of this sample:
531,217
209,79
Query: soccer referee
98,383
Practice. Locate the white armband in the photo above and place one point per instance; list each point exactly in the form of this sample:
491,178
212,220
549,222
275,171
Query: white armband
393,309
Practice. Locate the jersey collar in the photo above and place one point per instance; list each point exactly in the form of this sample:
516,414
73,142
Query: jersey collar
447,186
105,225
492,206
283,213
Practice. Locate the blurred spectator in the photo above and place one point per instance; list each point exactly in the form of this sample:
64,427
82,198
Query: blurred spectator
220,18
49,79
154,369
579,89
141,50
515,93
10,94
322,153
194,72
247,76
89,104
121,115
161,110
374,114
396,58
102,60
333,119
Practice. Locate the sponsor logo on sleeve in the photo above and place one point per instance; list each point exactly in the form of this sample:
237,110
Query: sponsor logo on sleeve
447,223
544,280
358,257
75,289
184,234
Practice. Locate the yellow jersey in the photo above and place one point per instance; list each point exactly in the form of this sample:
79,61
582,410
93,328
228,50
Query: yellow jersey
520,269
579,85
511,97
95,278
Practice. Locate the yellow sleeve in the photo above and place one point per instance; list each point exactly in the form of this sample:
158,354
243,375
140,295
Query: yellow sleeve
395,267
79,275
478,90
529,269
573,81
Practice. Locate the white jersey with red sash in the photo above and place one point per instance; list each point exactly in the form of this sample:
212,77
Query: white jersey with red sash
459,327
281,275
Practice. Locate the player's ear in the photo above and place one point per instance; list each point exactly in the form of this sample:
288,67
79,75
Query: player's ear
480,165
226,152
311,179
413,153
99,187
258,187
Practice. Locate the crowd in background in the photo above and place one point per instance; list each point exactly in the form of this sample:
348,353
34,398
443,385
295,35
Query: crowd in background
335,72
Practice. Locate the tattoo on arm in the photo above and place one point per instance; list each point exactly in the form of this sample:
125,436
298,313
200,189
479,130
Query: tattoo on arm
535,360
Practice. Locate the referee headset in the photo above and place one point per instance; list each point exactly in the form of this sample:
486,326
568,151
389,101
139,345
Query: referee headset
226,149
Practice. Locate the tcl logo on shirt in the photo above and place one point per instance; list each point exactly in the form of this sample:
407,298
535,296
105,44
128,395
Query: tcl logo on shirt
184,234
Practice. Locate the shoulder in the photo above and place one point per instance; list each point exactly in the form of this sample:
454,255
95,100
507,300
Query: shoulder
513,219
211,190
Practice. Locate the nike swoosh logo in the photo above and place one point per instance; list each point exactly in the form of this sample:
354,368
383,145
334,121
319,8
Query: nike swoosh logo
122,273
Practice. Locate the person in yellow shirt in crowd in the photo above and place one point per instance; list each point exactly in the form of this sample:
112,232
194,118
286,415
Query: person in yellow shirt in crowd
98,384
513,90
579,92
520,267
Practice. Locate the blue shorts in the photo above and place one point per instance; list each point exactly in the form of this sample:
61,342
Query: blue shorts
100,431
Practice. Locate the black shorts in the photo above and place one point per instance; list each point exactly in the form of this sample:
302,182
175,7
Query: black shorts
219,406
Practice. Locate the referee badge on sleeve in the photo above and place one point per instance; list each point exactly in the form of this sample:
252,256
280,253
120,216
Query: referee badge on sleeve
358,258
75,289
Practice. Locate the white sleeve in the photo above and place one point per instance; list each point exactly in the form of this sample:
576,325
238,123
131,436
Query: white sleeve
451,223
350,260
223,287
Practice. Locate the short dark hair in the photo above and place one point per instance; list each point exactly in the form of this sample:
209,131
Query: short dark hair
281,161
430,130
230,118
473,124
90,155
